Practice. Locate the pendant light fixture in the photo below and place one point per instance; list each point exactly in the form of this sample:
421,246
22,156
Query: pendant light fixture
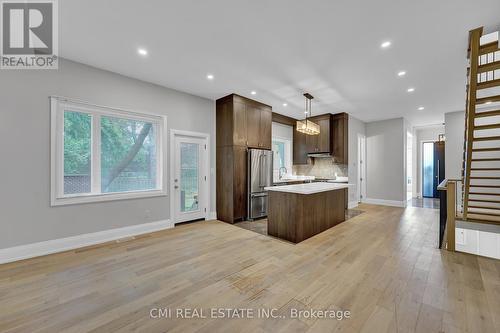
306,126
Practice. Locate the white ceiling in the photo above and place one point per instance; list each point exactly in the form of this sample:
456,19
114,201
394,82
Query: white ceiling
283,48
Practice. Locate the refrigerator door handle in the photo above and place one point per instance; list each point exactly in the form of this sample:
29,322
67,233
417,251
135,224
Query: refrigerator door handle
261,170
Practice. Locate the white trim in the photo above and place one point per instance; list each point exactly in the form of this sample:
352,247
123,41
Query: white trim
352,204
206,137
57,196
393,203
211,216
361,187
74,242
421,167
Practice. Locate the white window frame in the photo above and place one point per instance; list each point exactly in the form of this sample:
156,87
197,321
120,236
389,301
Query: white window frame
57,107
288,153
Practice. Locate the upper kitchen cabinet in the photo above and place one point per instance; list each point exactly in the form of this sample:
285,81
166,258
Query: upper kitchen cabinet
243,122
332,139
299,147
340,129
320,143
259,123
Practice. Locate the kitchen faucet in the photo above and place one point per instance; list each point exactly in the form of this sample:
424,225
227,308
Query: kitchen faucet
279,172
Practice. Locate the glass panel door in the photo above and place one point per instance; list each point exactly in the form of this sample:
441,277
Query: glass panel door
428,170
189,179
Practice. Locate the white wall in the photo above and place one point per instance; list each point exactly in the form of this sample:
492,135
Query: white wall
454,127
356,127
385,161
426,134
25,212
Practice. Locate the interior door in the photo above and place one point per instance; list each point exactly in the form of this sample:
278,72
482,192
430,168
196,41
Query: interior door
190,178
433,169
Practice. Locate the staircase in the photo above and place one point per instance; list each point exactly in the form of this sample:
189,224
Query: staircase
481,157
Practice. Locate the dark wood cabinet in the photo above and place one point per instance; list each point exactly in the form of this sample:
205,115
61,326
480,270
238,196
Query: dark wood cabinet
324,138
320,143
253,126
299,147
259,123
241,123
333,139
239,182
266,116
340,149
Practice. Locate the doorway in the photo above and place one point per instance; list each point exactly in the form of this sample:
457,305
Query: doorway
361,188
189,176
433,168
409,166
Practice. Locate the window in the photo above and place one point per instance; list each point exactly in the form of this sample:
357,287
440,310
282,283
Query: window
282,156
101,153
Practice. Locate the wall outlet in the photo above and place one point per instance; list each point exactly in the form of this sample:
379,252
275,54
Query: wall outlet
460,236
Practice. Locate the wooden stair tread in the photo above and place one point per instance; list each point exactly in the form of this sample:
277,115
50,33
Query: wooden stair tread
485,169
487,114
484,186
485,149
484,100
488,67
482,193
480,220
485,200
486,138
488,48
484,177
485,159
484,213
488,84
483,207
485,127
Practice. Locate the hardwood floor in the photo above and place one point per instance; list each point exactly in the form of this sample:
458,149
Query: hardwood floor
382,266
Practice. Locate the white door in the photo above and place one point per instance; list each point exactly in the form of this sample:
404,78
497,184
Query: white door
361,191
190,178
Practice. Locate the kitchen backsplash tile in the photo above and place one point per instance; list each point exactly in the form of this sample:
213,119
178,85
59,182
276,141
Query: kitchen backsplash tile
321,168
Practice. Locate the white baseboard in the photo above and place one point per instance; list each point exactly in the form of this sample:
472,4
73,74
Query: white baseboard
70,243
211,216
382,202
352,204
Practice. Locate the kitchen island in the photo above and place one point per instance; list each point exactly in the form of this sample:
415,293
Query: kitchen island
298,212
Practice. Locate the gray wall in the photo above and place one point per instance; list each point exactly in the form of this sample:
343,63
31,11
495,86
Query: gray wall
454,127
356,127
26,215
423,135
385,160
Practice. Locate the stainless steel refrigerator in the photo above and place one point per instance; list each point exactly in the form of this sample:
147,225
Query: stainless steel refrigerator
260,175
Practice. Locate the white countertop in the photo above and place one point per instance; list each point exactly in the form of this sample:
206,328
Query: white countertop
308,188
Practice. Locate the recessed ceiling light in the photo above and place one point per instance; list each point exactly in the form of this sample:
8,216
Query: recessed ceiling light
385,44
410,90
421,108
142,52
253,92
401,73
210,76
285,105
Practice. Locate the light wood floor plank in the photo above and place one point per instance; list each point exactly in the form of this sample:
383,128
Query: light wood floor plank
382,265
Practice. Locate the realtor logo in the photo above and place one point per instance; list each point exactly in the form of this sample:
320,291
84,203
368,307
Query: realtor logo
29,34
